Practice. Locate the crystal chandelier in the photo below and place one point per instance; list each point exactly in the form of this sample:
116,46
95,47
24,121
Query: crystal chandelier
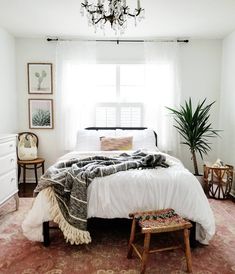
114,11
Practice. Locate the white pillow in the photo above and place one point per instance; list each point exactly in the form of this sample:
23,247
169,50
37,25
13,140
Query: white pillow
142,139
89,140
107,133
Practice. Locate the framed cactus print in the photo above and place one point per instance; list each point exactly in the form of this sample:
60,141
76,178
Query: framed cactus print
41,113
40,78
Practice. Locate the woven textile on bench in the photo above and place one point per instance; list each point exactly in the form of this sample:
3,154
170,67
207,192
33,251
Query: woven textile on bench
160,220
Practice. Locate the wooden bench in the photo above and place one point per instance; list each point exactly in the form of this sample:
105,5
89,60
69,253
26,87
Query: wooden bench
159,221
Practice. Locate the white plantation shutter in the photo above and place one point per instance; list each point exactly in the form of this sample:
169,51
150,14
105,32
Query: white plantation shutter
131,116
123,115
105,116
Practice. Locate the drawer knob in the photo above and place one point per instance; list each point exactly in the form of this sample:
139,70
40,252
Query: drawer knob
12,179
12,160
11,145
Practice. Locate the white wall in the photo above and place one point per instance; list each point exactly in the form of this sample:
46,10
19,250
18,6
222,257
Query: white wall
8,95
201,78
200,64
34,50
227,99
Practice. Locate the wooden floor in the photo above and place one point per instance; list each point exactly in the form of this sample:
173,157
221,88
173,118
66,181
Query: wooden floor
28,191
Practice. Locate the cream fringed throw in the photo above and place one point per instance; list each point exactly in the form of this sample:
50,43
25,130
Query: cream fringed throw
71,233
67,184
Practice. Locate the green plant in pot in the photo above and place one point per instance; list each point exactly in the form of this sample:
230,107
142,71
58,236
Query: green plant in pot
195,128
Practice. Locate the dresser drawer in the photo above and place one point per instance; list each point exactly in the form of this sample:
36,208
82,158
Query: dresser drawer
7,163
8,185
7,148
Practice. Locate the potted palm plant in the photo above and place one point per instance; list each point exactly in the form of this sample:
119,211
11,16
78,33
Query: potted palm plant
195,128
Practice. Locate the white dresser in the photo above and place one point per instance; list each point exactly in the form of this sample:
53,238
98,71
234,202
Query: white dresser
8,168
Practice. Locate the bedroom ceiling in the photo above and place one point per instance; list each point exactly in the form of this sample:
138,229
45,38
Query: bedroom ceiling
164,18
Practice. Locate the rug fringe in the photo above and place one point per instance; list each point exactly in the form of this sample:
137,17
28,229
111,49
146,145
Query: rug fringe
71,234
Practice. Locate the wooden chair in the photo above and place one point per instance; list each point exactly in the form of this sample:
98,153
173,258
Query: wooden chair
29,164
160,221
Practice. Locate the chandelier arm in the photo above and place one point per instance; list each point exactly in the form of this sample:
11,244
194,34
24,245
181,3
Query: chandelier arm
101,18
86,6
94,11
121,21
134,15
106,18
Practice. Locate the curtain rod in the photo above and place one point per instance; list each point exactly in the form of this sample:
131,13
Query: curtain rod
117,40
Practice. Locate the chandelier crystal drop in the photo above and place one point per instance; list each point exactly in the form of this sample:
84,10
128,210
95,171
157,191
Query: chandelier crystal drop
116,12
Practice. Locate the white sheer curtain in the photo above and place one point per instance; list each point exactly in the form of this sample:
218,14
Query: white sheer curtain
78,74
163,89
73,93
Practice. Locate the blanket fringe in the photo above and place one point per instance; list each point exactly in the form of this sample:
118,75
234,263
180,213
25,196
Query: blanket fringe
71,234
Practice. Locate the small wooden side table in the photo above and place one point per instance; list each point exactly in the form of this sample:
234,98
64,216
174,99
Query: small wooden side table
218,181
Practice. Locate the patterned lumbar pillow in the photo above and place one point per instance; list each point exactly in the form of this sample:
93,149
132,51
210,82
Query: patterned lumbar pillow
121,143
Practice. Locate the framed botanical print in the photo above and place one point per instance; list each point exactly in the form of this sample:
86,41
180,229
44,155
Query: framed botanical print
40,78
41,113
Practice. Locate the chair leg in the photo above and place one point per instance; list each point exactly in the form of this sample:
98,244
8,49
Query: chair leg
19,173
36,174
146,252
24,175
187,250
43,168
132,237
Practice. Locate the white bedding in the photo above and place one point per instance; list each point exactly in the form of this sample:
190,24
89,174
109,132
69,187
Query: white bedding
117,195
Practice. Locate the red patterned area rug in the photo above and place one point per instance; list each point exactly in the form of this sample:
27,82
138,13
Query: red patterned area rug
107,252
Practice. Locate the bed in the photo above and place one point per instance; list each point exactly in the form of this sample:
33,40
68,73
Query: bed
116,195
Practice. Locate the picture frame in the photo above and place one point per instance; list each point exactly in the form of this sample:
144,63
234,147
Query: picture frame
40,78
41,114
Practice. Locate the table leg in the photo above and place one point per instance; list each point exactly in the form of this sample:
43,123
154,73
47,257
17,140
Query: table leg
132,237
36,174
146,252
187,251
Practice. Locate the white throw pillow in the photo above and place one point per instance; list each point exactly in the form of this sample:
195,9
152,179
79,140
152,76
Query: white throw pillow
89,140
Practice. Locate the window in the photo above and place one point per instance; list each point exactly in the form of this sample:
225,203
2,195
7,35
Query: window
120,89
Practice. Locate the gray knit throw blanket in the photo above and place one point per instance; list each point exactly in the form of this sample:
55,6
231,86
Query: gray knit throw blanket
66,183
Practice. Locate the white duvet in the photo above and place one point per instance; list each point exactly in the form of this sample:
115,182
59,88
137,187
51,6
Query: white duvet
117,195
